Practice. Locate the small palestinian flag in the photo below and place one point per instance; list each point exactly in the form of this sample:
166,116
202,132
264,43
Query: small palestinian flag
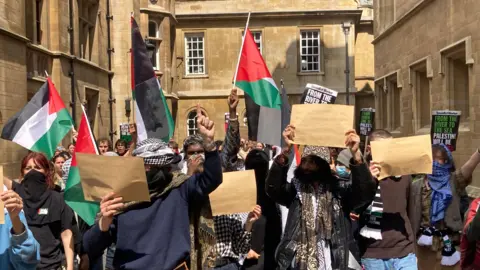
262,99
73,194
42,124
152,115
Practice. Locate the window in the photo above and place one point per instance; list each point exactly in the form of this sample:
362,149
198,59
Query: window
458,86
455,62
192,123
91,100
155,38
194,54
87,16
38,21
381,97
310,51
421,91
257,37
394,106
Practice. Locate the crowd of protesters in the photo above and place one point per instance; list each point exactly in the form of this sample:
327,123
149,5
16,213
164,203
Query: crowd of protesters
329,212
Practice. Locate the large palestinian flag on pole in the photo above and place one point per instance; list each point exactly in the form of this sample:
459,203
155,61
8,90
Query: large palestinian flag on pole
73,194
152,115
262,98
42,124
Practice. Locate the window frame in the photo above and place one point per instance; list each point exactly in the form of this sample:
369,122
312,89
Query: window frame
86,28
256,31
320,70
196,34
194,119
156,40
38,21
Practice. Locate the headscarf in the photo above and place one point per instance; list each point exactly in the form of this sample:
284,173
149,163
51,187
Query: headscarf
439,182
38,200
319,151
156,152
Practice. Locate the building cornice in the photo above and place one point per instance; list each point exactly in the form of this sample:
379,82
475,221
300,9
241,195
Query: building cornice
356,14
402,20
157,11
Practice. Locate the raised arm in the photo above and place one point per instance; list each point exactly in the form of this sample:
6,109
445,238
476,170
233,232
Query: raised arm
202,184
276,184
231,144
464,176
24,250
363,185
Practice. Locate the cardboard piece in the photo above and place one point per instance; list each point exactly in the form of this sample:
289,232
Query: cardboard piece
237,193
2,205
322,124
101,175
403,156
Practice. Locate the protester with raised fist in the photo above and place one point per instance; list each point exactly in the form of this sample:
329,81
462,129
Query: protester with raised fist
155,234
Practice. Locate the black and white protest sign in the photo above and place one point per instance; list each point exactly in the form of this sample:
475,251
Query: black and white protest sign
367,121
444,128
316,94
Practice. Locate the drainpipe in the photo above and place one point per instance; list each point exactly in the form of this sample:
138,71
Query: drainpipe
110,50
71,73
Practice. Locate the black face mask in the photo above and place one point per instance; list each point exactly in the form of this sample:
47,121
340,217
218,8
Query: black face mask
158,178
308,177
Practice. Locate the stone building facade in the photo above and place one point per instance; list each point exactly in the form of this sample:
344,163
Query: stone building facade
209,36
69,40
426,56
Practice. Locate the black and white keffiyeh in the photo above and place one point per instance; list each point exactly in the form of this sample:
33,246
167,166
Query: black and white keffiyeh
156,152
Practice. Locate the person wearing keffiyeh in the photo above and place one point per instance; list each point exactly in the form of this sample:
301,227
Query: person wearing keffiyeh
156,234
318,222
434,207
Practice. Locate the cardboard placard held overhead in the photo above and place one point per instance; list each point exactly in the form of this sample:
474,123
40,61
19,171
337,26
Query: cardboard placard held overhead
403,156
322,124
2,205
237,193
101,175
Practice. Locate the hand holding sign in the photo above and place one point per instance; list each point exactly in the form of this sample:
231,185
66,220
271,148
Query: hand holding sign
289,135
352,141
206,127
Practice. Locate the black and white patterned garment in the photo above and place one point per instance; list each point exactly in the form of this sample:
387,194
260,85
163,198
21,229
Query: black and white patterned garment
232,239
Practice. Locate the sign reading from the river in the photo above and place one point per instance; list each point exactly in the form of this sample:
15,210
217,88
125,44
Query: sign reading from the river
444,129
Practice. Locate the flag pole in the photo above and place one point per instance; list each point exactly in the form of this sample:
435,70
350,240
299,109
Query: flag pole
241,48
46,73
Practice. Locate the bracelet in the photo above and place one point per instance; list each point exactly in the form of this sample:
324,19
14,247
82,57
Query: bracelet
210,147
233,119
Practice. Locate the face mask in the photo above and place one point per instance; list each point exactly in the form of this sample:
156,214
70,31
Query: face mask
342,171
158,177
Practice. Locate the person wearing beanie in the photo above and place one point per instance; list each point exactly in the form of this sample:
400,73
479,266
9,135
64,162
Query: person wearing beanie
156,234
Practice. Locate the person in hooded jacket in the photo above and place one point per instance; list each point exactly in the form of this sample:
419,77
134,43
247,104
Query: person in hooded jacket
263,245
318,224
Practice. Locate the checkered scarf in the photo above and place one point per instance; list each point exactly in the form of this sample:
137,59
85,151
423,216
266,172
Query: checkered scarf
155,152
439,181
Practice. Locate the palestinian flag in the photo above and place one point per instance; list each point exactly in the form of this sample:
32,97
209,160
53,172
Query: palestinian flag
42,124
73,194
152,115
262,99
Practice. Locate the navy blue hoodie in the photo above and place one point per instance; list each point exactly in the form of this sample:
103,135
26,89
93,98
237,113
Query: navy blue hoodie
157,236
